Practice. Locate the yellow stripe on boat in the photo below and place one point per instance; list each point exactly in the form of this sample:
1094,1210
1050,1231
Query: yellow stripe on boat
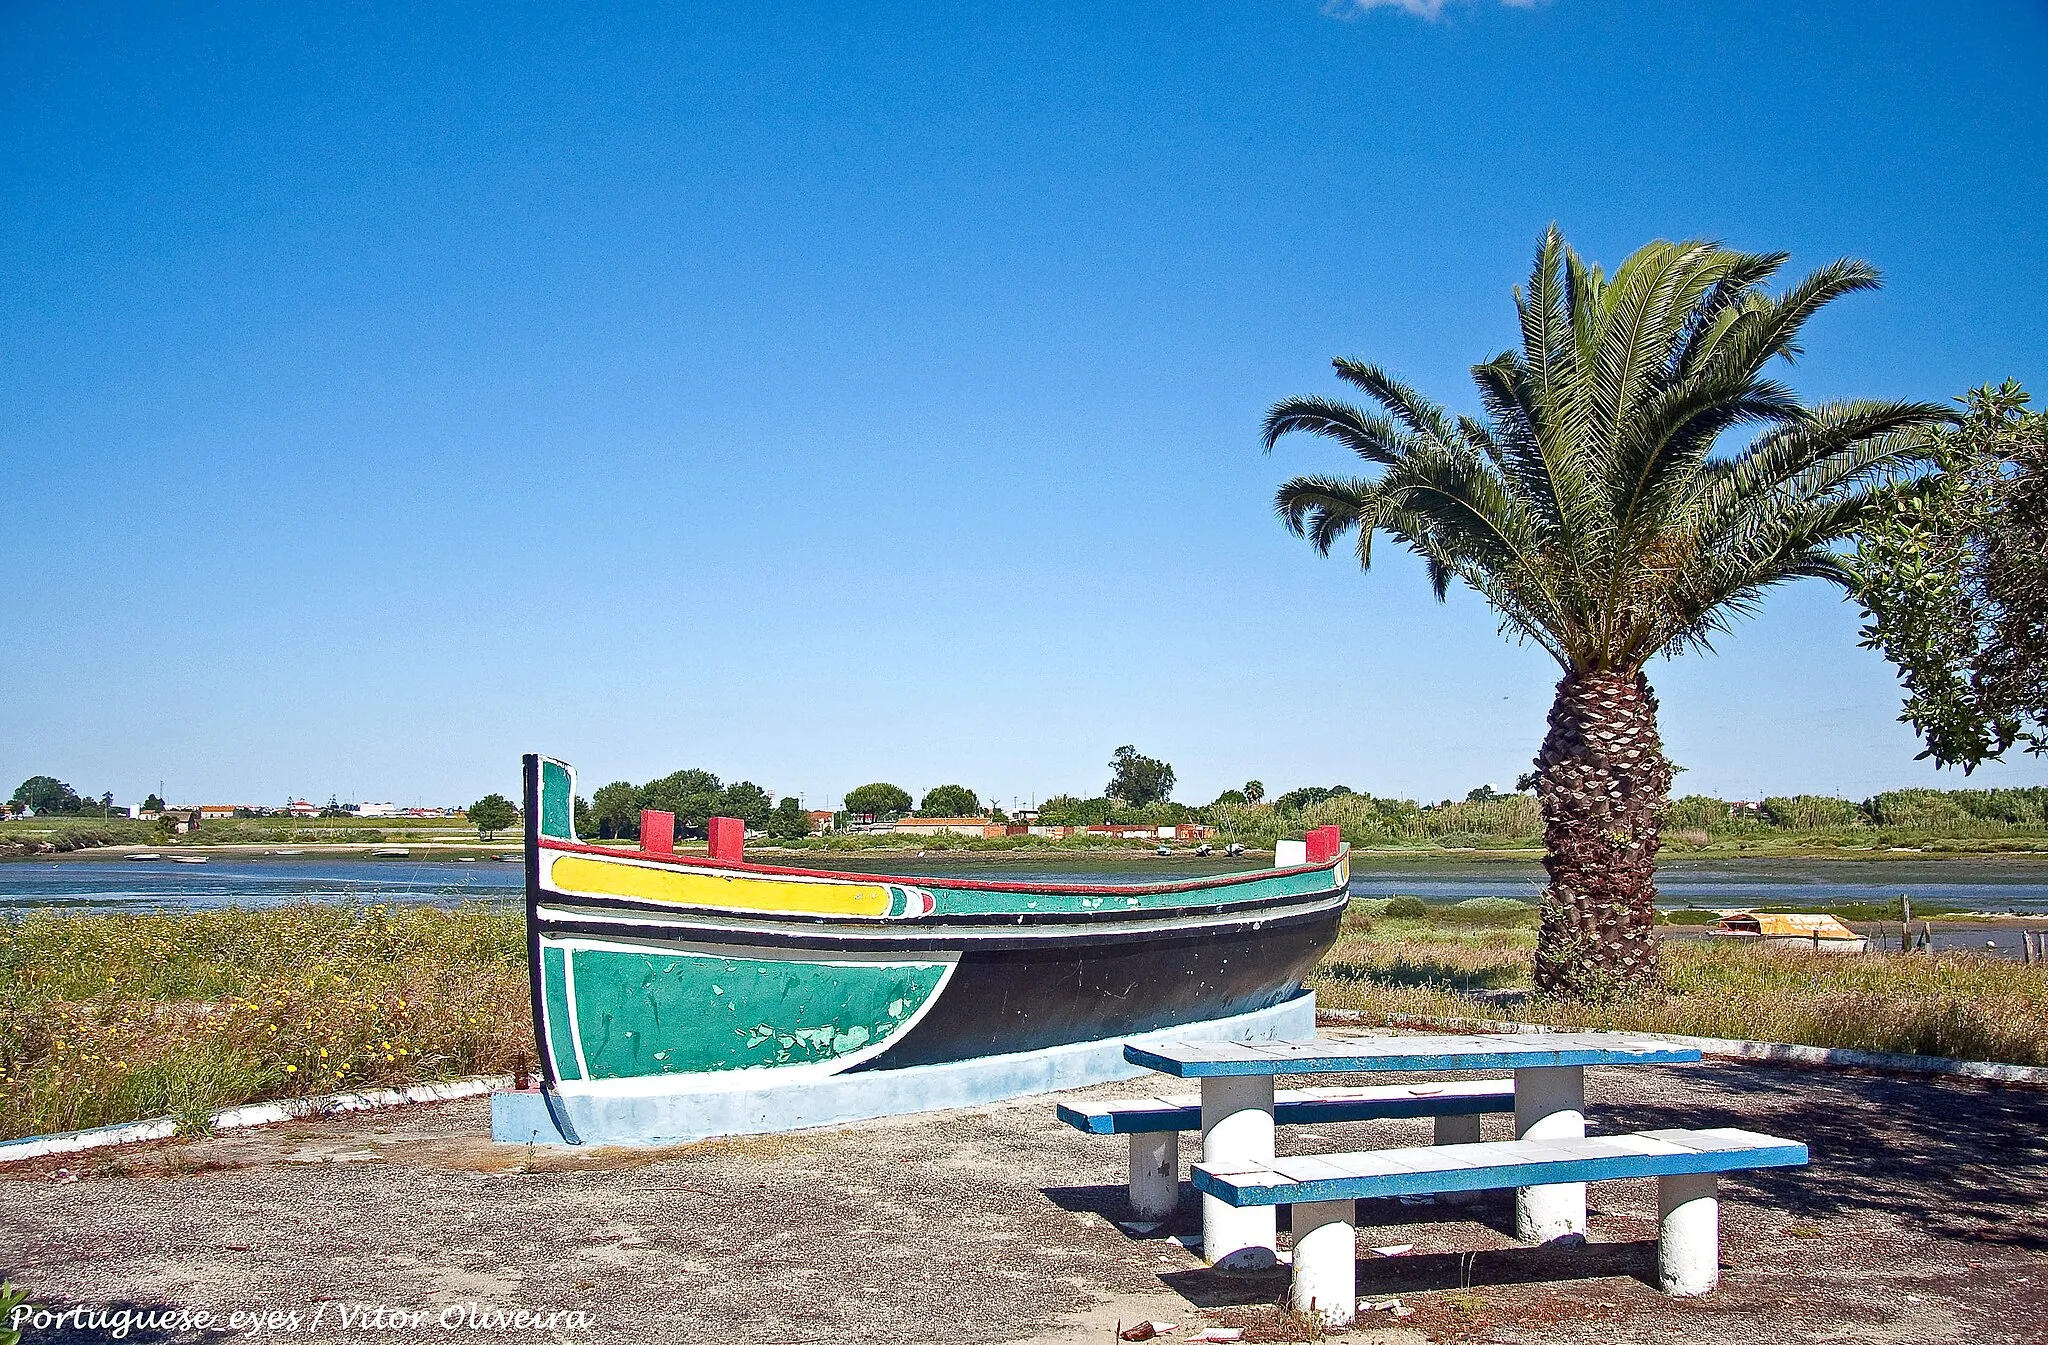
601,878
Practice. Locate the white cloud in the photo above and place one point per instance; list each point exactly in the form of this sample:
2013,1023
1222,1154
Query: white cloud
1429,11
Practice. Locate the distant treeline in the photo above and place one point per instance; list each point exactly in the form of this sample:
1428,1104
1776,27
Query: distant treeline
1962,812
1486,819
694,797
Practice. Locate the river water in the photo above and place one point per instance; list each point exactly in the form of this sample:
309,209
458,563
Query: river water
97,886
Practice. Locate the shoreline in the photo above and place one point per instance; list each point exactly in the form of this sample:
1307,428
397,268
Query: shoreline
450,851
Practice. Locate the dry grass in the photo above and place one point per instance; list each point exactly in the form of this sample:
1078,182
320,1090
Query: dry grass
106,1019
1957,1004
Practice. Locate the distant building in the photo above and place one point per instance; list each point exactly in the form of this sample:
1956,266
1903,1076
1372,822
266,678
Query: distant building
943,826
820,820
301,808
217,812
373,810
1131,831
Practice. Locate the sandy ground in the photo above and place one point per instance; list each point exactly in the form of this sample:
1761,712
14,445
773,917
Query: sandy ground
1923,1219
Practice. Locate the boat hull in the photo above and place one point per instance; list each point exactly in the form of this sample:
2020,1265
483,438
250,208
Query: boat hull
653,972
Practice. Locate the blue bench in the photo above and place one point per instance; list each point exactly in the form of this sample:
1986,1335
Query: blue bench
1323,1191
1154,1124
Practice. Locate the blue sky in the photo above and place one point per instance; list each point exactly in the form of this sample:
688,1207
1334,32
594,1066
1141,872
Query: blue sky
822,393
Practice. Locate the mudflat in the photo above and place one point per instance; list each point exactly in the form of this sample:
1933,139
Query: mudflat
1923,1218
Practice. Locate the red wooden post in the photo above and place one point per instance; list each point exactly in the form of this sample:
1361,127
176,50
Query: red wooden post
728,839
657,832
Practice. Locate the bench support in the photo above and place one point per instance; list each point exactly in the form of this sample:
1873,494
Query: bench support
1457,1130
1550,1104
1155,1173
1326,1261
1237,1131
1688,1234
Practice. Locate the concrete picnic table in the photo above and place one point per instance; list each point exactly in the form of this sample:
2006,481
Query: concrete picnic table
1237,1109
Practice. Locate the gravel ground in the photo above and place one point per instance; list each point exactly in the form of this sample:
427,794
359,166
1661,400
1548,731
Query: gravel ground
1923,1218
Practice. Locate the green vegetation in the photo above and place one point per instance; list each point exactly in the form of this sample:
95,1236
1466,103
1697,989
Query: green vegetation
878,800
1962,1005
1595,513
47,796
491,814
119,1018
1136,780
950,801
1954,577
693,796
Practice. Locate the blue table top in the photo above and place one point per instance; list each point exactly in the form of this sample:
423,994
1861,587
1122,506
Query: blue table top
1363,1055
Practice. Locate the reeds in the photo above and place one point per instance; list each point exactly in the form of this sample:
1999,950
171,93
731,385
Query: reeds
118,1018
1961,1005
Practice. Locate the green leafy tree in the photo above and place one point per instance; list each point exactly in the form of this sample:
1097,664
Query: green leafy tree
1954,578
1231,797
1294,800
152,804
877,800
616,810
747,801
1136,779
789,821
1254,791
586,820
491,814
694,796
1595,513
950,801
48,795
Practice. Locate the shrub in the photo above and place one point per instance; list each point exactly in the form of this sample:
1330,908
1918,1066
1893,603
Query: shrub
1486,911
1406,908
1914,808
1812,812
1697,812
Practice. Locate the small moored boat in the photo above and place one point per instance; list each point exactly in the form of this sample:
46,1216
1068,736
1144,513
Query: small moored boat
188,859
656,972
143,856
1823,933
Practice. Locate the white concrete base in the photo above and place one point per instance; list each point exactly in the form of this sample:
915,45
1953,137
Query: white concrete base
680,1109
1688,1234
1550,1103
1237,1129
1326,1261
1155,1174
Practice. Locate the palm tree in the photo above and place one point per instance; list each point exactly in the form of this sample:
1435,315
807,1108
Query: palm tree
1592,511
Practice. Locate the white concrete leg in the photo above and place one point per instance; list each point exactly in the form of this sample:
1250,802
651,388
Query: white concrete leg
1155,1174
1457,1130
1550,1104
1325,1261
1237,1130
1688,1234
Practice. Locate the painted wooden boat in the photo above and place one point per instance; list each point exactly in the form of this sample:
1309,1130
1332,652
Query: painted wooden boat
653,971
1821,933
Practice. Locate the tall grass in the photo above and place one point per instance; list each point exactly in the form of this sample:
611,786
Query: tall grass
1957,1004
117,1018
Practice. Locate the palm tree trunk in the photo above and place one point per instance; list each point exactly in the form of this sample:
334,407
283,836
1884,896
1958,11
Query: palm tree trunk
1603,783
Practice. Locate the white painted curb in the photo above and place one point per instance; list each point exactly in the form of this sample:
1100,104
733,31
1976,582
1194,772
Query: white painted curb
1773,1052
255,1114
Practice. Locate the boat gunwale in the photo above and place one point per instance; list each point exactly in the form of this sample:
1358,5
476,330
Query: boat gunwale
910,938
1261,908
961,884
